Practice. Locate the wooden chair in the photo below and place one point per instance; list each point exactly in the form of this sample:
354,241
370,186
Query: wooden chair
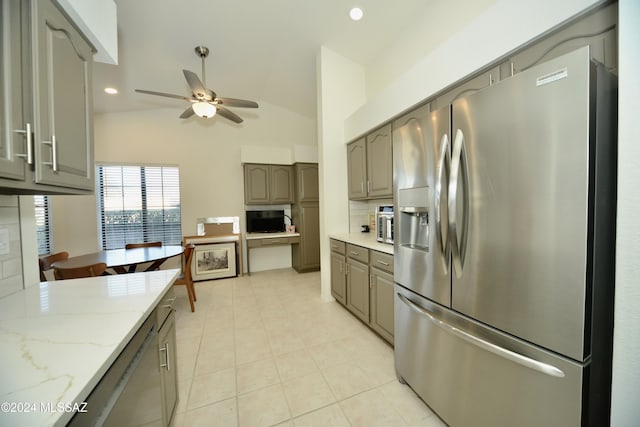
156,265
142,245
92,270
46,261
185,276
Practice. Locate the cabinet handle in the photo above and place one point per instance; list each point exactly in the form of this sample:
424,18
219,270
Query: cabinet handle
170,303
362,186
386,264
29,139
166,353
354,253
54,153
368,186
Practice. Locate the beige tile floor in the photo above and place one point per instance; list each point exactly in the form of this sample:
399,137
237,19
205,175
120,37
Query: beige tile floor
265,350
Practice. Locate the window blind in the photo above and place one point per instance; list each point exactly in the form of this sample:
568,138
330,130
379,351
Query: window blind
43,227
138,204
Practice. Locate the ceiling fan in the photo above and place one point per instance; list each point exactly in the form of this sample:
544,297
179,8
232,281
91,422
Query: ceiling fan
204,102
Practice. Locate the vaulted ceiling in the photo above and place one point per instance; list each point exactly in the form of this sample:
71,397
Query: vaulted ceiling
263,50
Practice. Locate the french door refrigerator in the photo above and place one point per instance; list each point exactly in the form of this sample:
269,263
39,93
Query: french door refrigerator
504,249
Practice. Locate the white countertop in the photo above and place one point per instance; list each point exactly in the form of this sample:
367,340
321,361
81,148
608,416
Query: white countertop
58,338
367,240
253,236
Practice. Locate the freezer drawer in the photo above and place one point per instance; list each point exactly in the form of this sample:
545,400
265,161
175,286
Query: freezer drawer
471,375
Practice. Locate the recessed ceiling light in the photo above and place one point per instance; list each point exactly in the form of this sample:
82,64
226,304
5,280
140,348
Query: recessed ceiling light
111,90
356,14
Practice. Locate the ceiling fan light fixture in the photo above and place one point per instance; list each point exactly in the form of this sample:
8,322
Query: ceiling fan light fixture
204,109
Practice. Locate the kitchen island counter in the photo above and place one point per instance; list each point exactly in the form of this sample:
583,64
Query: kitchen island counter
58,338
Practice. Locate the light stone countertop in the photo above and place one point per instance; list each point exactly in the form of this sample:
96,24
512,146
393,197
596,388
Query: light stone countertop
367,240
58,338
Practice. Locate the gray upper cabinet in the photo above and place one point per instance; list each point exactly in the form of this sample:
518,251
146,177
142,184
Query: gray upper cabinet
357,168
281,186
379,163
267,184
63,132
13,135
306,182
46,107
370,165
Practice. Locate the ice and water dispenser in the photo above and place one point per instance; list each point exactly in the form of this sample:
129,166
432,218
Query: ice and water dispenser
413,218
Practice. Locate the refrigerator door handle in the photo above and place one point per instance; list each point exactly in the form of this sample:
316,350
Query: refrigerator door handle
485,345
458,164
444,165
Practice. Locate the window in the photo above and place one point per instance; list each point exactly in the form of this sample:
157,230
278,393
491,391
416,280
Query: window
43,221
138,204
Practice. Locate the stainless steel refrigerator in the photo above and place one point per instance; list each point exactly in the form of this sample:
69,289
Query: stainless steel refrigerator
504,249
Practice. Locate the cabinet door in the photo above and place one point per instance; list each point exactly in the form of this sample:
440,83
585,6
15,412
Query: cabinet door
338,278
381,304
256,184
13,136
357,169
168,368
307,189
358,289
310,234
281,184
379,163
62,100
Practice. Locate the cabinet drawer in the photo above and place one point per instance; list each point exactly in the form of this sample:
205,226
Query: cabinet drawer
338,246
382,261
275,241
358,253
165,307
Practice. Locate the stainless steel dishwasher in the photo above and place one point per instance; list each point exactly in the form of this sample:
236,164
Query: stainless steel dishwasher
141,385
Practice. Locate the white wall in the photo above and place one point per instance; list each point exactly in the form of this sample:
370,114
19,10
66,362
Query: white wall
341,89
494,33
207,152
441,20
625,410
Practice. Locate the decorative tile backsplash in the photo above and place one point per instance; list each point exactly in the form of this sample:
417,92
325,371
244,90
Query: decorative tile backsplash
11,279
361,212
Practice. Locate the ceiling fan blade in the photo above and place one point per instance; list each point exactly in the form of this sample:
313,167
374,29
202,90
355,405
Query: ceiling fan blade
228,114
168,95
195,84
232,102
187,113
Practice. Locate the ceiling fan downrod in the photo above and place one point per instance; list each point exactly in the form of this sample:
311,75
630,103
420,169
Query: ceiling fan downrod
202,52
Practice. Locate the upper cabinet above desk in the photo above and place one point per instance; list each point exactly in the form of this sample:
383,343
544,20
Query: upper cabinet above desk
268,184
369,162
46,144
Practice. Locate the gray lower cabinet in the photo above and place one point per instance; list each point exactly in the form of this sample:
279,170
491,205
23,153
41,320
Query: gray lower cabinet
338,270
339,278
358,289
381,298
362,281
141,386
306,255
168,368
46,107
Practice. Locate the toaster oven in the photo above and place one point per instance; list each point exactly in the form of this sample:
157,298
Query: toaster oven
384,224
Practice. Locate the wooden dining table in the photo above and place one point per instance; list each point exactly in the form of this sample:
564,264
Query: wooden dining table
124,260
